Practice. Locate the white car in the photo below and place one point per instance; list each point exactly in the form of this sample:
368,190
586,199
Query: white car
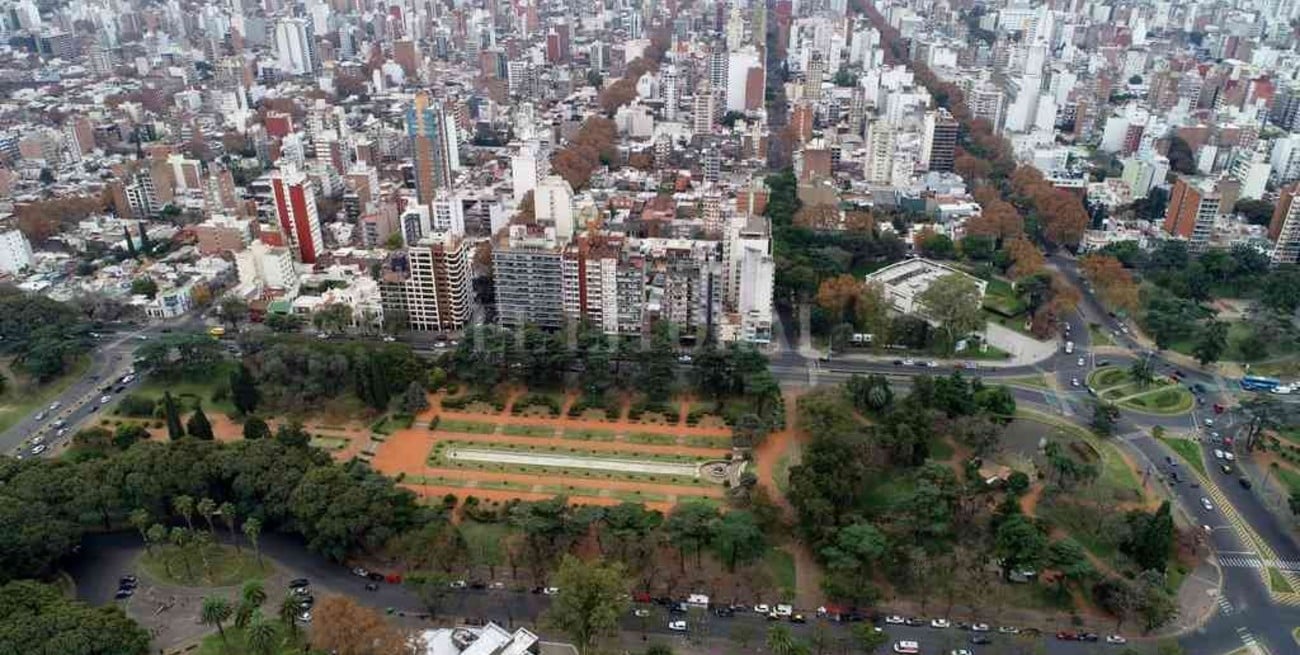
457,584
1205,502
979,627
389,338
959,651
104,400
38,449
1209,422
360,572
54,405
762,608
1074,382
1227,454
940,623
783,609
1081,361
895,619
684,359
1009,630
40,416
1218,454
932,364
305,617
641,612
551,591
1116,640
909,362
677,626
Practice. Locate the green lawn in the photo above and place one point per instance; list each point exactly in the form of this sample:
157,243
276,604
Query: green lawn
329,443
19,399
1289,477
1161,397
185,566
651,438
469,427
1035,381
780,564
1099,337
1278,582
1189,450
529,430
390,423
589,435
191,392
940,451
235,644
1115,471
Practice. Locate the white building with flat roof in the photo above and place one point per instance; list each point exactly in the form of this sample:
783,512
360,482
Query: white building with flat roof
490,639
904,281
15,252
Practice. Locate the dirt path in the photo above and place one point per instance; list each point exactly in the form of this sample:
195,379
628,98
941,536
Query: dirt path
562,421
1029,501
774,447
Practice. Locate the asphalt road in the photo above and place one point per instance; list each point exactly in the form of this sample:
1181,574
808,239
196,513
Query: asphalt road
106,557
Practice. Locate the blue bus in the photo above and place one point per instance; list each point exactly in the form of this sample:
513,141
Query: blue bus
1257,383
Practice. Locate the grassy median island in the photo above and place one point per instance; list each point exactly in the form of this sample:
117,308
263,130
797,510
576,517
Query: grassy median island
1187,449
21,397
1159,396
202,565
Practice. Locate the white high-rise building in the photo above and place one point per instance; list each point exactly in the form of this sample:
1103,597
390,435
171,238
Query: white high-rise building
671,85
878,162
757,272
527,167
738,65
295,45
448,213
553,205
15,252
1251,169
271,267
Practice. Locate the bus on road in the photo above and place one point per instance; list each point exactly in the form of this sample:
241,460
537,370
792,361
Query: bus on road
1258,383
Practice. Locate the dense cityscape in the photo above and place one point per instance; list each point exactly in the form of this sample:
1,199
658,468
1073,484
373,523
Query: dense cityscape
649,326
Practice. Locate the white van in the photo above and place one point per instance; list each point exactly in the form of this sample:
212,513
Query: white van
1069,347
907,647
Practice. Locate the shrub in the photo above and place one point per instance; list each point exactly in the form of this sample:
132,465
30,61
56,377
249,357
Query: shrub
137,406
536,400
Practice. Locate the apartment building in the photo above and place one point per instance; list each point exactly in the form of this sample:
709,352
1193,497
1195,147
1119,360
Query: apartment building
1193,208
1284,229
529,275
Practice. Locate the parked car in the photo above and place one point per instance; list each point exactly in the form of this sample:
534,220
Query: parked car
1116,640
1067,636
915,621
360,572
299,583
762,608
1009,630
1089,637
981,640
641,612
979,627
940,623
677,626
797,618
894,619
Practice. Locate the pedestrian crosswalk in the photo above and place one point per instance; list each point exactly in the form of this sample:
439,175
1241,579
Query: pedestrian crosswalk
1226,607
1246,637
1252,562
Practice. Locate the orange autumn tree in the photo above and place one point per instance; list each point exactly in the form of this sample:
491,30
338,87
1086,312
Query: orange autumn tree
839,296
1114,283
1026,258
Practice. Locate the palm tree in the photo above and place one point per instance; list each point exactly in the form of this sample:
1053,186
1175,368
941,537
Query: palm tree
253,593
140,520
154,536
779,640
206,508
184,505
180,537
288,614
227,512
253,528
1142,372
216,610
259,638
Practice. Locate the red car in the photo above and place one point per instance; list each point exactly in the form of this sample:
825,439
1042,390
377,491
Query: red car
641,597
1218,409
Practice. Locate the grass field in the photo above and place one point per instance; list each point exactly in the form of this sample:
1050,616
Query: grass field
780,564
1161,397
1187,449
1099,337
21,399
1278,582
1034,381
1115,471
529,430
469,427
1289,477
186,567
329,443
235,644
191,392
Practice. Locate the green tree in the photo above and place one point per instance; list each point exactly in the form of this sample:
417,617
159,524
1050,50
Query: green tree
260,636
954,302
184,505
1151,538
144,286
851,561
243,390
256,428
1068,557
288,615
658,365
233,310
431,587
738,539
691,526
128,434
590,602
227,512
216,611
140,521
415,400
1142,371
1257,212
748,432
869,637
207,508
1211,342
292,434
1020,544
172,415
198,425
1105,416
253,530
130,244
